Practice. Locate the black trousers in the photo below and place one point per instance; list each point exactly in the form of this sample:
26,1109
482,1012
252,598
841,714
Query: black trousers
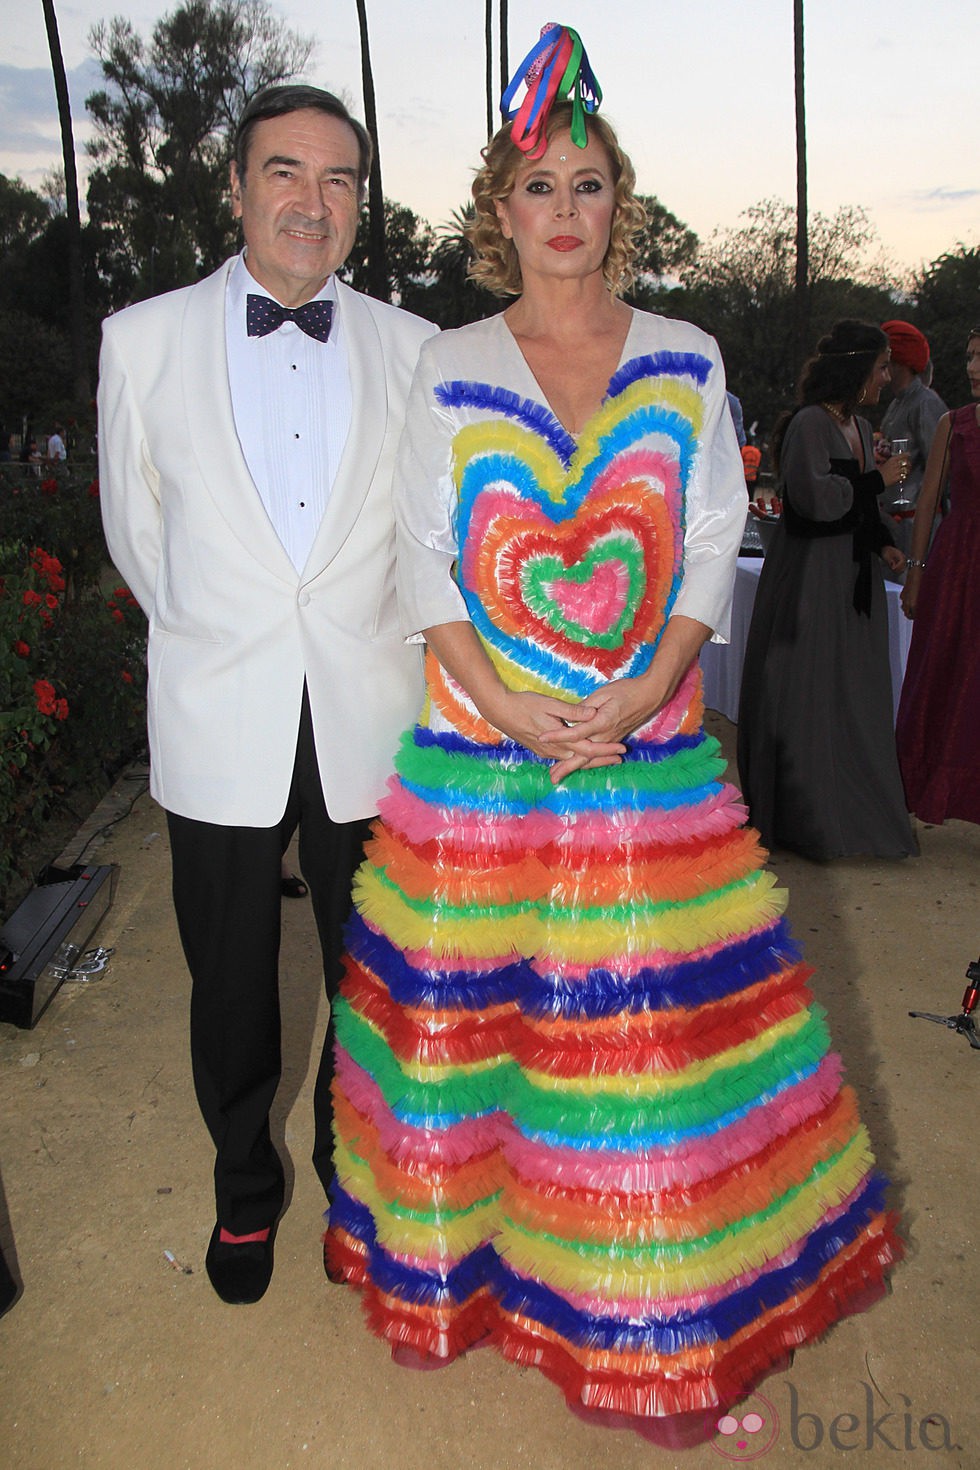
226,887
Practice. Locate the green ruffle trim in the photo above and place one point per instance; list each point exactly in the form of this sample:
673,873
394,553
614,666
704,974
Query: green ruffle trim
434,1219
517,778
575,1115
468,1094
696,1107
665,1252
627,915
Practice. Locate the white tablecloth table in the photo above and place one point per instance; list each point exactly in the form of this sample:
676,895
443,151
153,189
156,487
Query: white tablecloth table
721,663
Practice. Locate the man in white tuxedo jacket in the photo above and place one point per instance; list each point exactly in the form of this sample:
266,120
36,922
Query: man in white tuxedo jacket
248,426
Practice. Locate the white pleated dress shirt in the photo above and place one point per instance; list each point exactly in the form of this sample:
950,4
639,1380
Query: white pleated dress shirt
291,398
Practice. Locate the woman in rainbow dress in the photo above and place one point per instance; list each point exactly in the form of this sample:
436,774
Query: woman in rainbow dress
585,1109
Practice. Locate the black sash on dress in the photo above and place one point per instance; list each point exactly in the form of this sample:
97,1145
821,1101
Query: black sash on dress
862,522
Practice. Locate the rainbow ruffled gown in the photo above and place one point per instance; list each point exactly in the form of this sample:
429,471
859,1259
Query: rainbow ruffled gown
585,1105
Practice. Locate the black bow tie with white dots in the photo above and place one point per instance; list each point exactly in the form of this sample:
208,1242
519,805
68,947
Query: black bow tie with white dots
263,315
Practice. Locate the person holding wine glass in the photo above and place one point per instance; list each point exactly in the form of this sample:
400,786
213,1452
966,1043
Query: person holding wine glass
816,747
908,427
901,506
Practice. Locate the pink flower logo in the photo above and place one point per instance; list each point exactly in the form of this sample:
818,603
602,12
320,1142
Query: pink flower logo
748,1433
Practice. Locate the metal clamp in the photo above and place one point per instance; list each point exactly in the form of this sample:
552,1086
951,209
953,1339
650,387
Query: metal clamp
91,964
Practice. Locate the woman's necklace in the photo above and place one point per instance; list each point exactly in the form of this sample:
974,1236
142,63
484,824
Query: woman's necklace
837,413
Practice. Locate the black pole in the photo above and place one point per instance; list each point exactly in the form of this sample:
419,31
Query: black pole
504,63
76,281
801,295
488,48
379,285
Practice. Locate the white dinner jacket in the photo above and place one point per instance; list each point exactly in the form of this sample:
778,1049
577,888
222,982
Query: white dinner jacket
234,628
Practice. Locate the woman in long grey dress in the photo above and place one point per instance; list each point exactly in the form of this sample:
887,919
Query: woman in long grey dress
816,746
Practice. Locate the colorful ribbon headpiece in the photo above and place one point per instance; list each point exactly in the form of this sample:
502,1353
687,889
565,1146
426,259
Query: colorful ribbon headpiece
555,68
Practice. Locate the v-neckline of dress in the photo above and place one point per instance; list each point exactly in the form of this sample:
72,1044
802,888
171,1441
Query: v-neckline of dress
538,394
861,463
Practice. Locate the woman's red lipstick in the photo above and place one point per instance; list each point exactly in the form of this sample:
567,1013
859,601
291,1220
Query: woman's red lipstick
564,242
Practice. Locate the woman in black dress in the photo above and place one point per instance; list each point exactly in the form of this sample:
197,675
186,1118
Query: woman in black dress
816,746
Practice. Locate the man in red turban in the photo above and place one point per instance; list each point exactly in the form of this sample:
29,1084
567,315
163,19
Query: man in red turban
913,414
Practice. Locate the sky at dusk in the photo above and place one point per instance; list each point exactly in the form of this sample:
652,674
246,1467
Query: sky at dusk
701,92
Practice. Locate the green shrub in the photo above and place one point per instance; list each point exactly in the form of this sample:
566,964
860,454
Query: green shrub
72,657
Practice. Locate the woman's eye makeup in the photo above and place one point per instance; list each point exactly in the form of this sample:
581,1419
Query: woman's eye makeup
544,186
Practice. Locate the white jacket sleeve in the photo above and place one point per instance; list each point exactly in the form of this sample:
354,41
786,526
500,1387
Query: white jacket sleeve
128,482
425,509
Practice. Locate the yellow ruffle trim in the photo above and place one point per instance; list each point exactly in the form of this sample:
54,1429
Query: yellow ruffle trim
614,1270
581,937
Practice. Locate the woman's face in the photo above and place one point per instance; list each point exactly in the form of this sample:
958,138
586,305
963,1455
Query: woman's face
560,211
973,365
878,378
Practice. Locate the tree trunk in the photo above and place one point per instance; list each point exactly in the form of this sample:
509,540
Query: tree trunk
504,63
802,294
488,48
76,280
379,285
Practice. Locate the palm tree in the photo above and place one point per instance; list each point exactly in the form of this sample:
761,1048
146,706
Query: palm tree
493,115
504,63
802,238
452,299
378,283
76,280
488,48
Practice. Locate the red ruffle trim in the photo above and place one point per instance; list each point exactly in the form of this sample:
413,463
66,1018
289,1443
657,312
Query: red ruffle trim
448,852
846,1288
432,1337
669,1040
850,1284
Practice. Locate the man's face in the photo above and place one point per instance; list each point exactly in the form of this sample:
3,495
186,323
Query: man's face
298,202
901,377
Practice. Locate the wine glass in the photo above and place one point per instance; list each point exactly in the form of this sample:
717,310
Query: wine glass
901,505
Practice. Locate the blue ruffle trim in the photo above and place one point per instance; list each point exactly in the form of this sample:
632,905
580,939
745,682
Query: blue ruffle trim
460,393
661,364
717,1322
408,1282
434,989
510,752
688,985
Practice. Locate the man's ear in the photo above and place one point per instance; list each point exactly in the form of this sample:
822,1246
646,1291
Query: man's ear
236,190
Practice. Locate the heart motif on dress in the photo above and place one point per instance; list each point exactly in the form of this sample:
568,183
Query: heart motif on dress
591,599
571,581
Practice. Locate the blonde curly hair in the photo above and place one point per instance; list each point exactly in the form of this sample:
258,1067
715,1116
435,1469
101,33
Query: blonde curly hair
496,266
